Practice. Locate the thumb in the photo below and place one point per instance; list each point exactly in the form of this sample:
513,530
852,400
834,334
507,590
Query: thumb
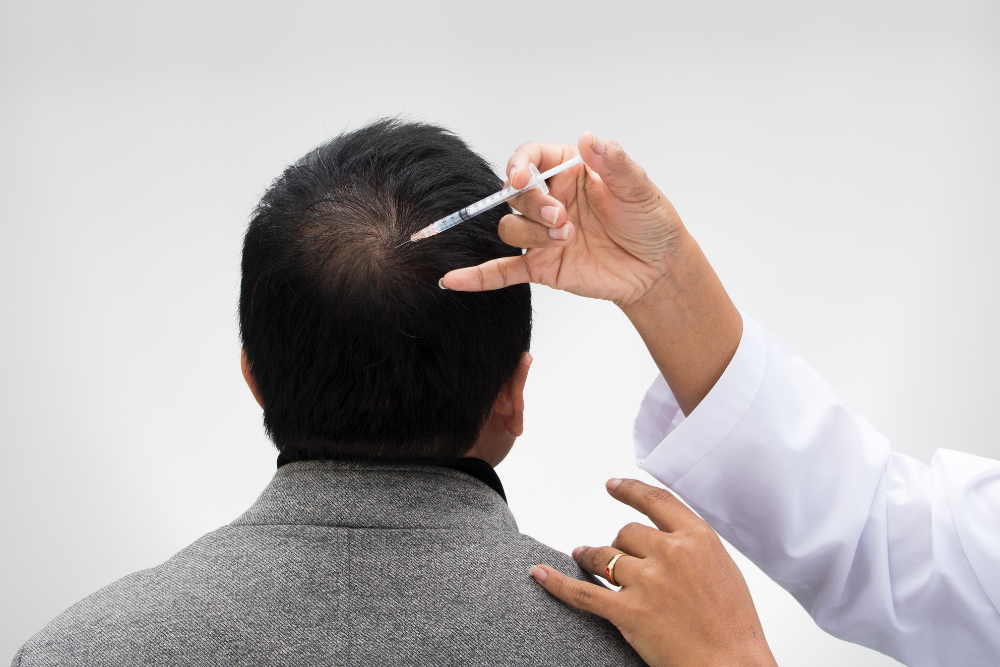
620,173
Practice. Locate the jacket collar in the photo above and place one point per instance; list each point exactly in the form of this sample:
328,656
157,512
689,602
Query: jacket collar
378,495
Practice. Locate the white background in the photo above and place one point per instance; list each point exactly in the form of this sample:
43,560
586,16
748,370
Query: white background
839,162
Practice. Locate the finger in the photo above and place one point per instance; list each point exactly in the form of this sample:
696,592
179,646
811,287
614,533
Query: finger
661,506
580,594
540,207
620,173
596,561
637,540
522,232
543,156
494,274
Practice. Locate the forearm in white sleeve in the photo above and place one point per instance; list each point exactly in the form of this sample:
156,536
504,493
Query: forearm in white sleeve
880,549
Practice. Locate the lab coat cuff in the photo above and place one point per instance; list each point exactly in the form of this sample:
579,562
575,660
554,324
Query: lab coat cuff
667,444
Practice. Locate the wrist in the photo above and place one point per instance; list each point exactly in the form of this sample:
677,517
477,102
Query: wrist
675,274
689,324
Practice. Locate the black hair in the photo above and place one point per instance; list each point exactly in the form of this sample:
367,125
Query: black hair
355,349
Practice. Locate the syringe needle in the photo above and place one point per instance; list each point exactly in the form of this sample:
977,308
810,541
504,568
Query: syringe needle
402,244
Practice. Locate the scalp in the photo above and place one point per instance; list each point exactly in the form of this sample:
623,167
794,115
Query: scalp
350,340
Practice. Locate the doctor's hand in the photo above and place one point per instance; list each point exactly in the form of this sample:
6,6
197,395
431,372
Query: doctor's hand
606,231
683,601
603,231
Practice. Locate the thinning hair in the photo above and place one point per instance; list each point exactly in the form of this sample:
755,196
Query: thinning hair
355,349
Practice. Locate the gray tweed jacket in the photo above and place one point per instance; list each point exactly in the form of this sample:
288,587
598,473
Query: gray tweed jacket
342,564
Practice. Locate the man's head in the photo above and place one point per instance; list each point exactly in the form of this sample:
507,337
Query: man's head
349,344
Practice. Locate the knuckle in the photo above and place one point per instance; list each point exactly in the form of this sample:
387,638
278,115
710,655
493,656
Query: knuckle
629,530
590,558
532,277
501,270
584,596
528,203
636,169
655,494
599,557
621,156
701,530
630,170
583,559
505,230
668,546
539,235
703,533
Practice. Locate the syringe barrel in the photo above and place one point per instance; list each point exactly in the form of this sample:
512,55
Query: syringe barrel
451,220
484,204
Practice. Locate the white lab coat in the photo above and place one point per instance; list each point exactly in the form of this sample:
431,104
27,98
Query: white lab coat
880,549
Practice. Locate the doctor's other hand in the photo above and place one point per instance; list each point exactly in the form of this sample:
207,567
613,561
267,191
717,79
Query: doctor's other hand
683,601
603,231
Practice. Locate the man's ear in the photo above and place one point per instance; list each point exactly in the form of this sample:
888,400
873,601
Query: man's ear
510,402
248,376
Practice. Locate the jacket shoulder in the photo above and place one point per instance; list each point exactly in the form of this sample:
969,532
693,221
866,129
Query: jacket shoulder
546,555
125,613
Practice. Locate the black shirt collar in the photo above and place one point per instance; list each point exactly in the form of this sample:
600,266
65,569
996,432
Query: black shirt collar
479,469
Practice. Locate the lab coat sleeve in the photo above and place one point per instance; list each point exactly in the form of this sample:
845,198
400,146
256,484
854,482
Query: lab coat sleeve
879,548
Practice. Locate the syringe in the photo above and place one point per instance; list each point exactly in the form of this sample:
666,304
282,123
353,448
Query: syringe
495,199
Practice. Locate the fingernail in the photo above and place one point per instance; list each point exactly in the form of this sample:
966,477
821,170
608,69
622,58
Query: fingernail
550,214
511,172
441,283
538,573
559,233
613,483
597,146
578,551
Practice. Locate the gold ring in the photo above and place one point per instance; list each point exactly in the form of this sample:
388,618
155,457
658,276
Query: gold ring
609,571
